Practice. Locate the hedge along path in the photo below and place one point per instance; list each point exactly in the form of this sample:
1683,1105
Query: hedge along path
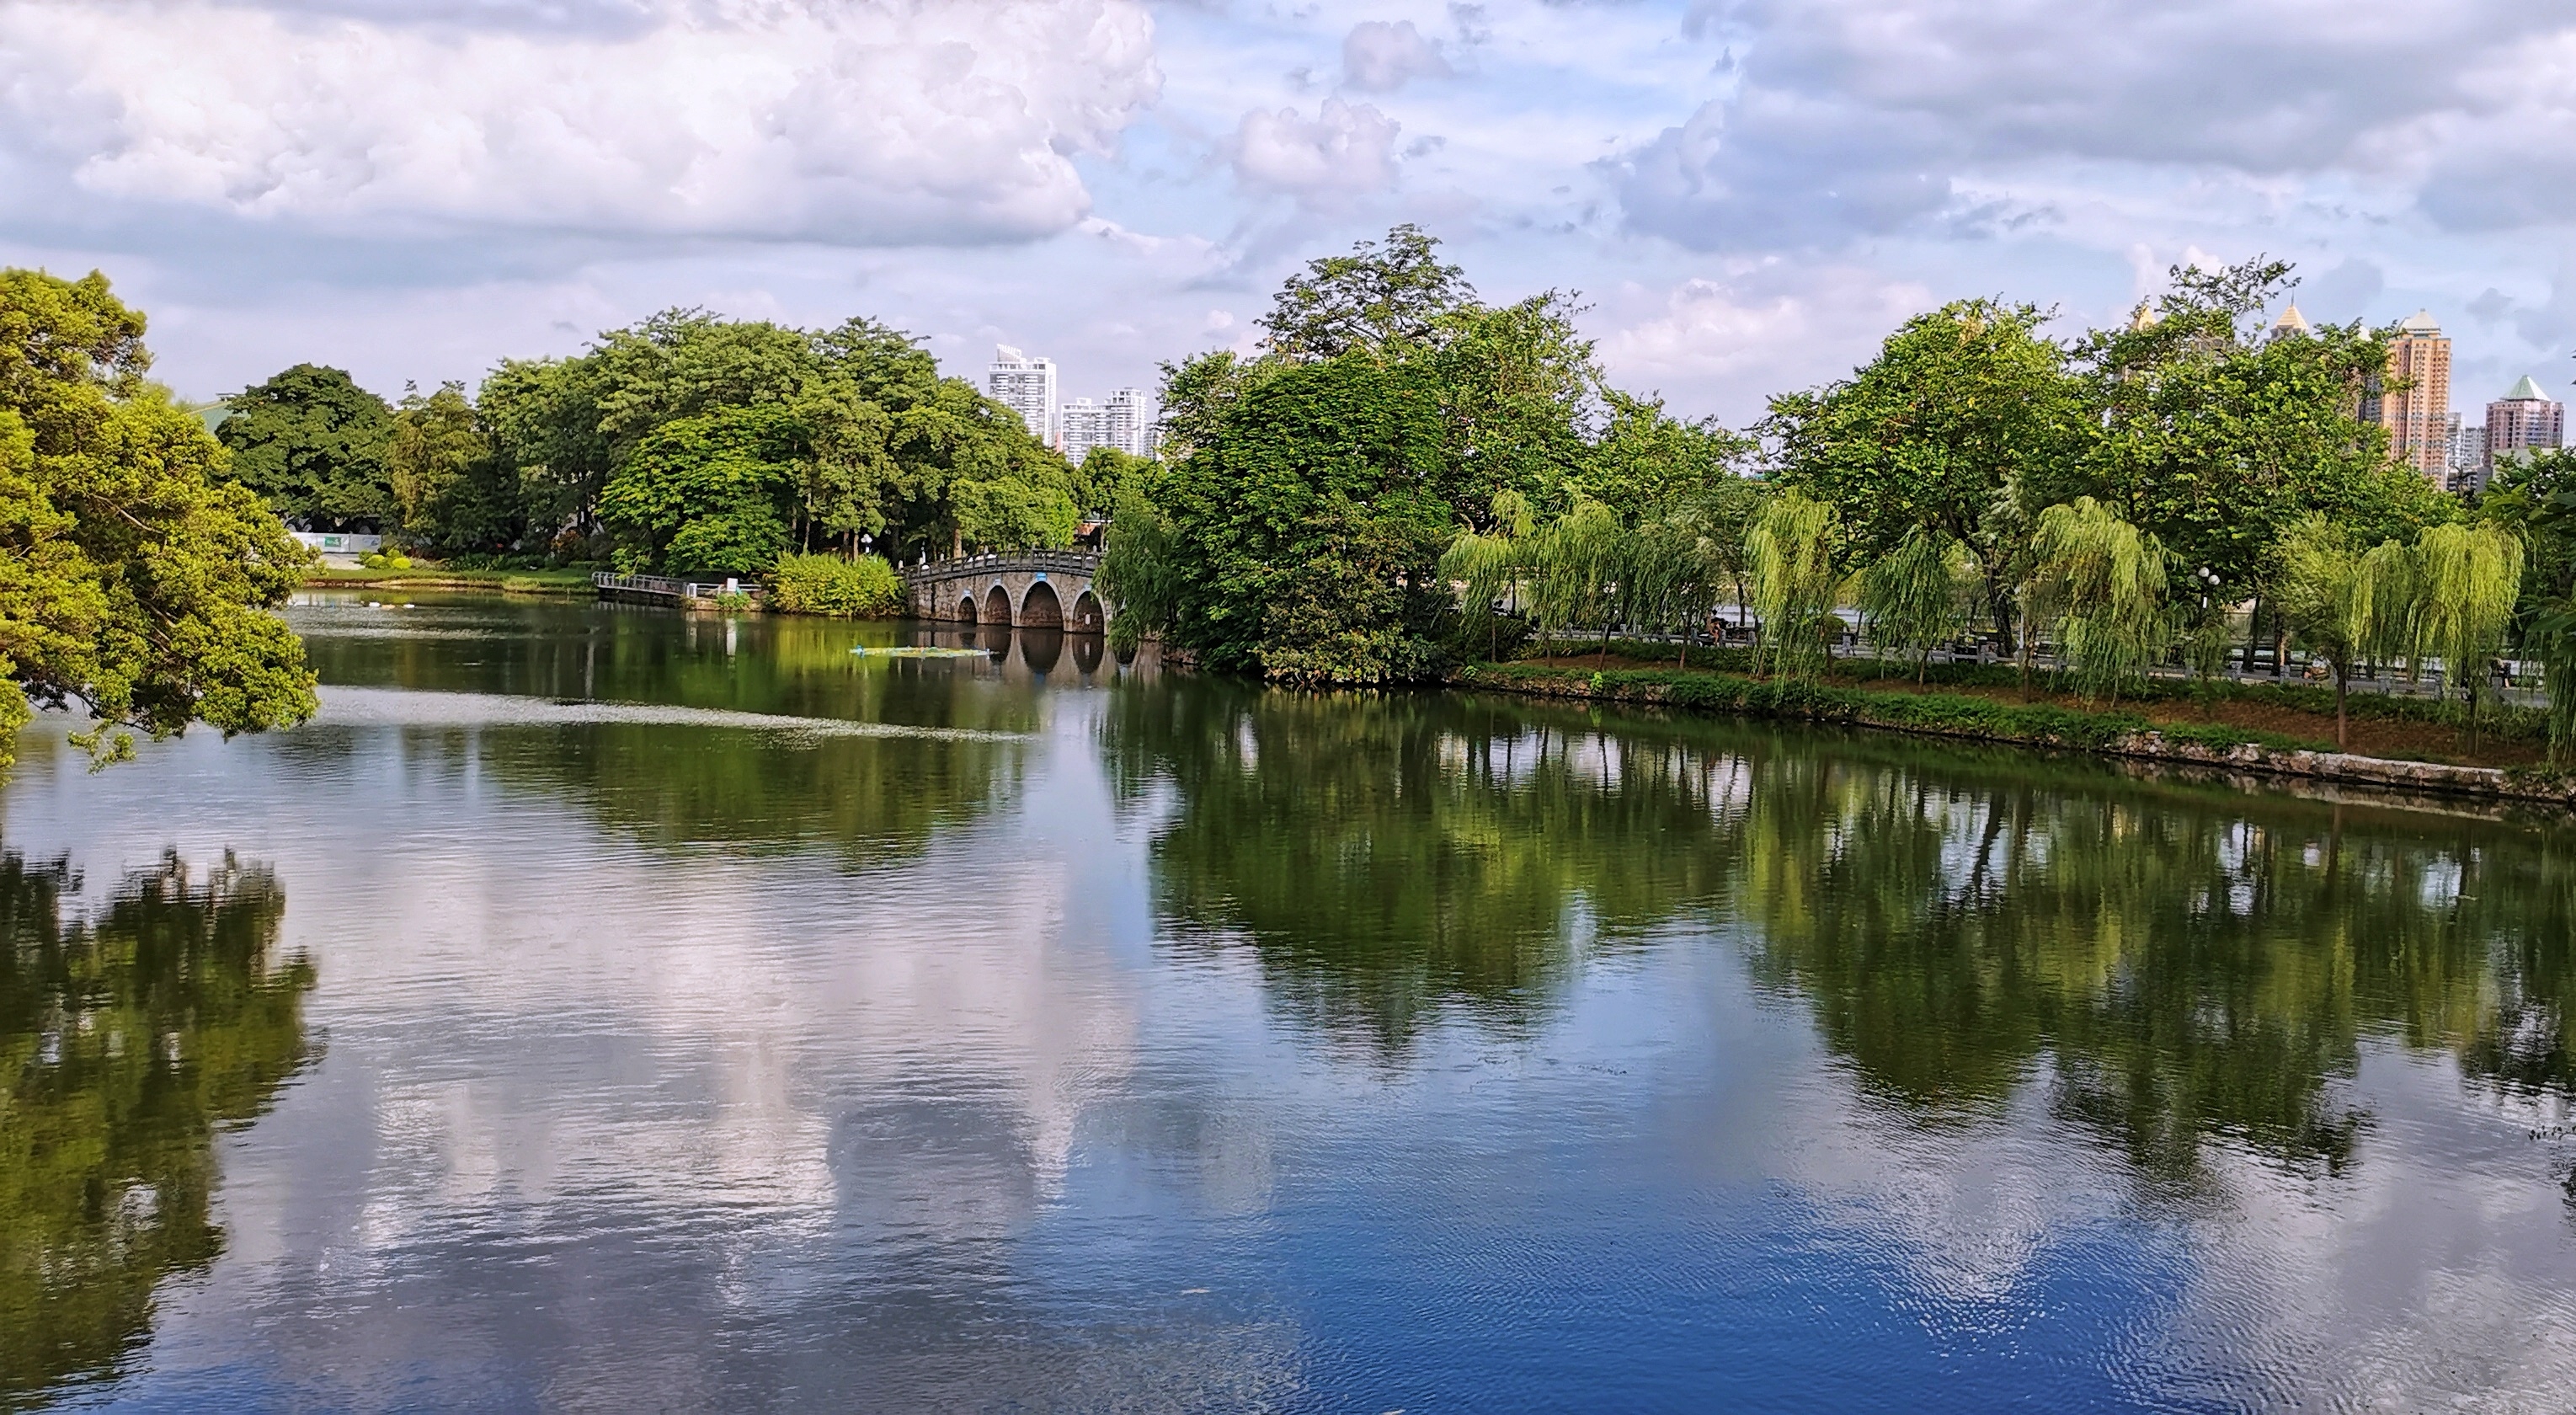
2108,733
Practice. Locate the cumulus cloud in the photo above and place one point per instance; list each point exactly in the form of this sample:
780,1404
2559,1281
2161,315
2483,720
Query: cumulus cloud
769,118
1730,343
1346,150
1378,57
1852,118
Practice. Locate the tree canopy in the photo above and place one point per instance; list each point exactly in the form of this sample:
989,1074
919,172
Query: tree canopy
313,444
135,576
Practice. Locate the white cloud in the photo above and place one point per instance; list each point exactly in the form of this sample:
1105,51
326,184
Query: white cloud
861,123
1346,150
1729,343
1378,57
1852,118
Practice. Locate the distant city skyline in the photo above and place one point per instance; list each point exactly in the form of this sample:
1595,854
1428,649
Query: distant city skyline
1027,385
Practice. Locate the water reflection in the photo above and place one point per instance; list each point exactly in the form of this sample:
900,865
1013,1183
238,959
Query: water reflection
2175,965
126,1041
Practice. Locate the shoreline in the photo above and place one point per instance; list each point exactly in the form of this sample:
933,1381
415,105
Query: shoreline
519,582
2039,726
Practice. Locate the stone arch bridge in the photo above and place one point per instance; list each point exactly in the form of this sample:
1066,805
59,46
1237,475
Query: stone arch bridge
1028,589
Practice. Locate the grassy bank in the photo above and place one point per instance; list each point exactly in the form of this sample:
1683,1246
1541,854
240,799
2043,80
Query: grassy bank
2285,728
440,577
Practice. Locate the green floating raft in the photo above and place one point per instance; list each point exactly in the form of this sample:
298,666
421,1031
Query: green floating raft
918,653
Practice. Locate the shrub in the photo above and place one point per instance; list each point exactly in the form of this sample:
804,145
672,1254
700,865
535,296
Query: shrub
827,584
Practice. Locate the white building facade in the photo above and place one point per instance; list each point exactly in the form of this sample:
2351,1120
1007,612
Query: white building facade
1027,387
1124,422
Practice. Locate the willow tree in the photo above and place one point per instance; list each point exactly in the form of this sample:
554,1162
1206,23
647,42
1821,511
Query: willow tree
1669,577
2467,579
2342,603
1574,570
1919,595
1793,554
2100,584
1487,566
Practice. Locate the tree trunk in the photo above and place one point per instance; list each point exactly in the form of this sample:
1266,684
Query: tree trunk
2343,737
2253,633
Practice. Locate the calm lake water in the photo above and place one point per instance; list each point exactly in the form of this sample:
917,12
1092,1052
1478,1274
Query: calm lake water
603,1009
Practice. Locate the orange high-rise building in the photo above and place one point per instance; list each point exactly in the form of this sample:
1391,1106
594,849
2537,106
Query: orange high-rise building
2413,400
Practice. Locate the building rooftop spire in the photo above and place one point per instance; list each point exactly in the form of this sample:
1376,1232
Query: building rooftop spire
2421,322
2526,391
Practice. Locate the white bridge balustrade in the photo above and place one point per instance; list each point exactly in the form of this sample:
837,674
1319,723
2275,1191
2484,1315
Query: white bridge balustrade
1024,589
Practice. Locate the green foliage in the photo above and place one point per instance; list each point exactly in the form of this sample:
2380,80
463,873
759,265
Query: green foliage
828,584
1794,556
860,438
1106,477
2099,585
129,1041
1962,408
2467,579
2335,600
2215,440
135,578
313,444
451,488
705,493
1919,596
1375,298
1015,512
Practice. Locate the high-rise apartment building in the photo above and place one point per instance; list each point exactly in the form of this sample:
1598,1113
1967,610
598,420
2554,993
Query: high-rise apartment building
1026,386
2413,398
2524,420
2468,457
1121,423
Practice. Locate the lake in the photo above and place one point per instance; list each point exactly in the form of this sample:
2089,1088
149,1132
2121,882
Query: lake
599,1008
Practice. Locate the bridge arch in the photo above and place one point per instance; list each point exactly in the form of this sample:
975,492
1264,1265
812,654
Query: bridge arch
966,610
1039,608
997,606
1089,617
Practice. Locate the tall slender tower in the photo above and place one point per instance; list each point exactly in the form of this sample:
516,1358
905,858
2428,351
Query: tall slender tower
1027,387
2413,399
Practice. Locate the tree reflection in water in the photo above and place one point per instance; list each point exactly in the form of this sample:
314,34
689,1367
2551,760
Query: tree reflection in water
2176,965
126,1041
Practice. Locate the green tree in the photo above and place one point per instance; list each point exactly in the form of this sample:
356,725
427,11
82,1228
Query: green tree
1795,554
313,444
2215,439
1014,513
2098,583
706,493
1962,408
1378,296
451,486
2467,579
2337,600
1920,595
1105,477
135,577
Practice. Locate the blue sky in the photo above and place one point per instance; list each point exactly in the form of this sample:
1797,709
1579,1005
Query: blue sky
1747,193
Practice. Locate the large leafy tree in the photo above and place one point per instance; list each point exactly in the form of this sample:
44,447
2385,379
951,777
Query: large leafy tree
135,576
451,487
313,443
863,437
2217,440
1962,407
1299,526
